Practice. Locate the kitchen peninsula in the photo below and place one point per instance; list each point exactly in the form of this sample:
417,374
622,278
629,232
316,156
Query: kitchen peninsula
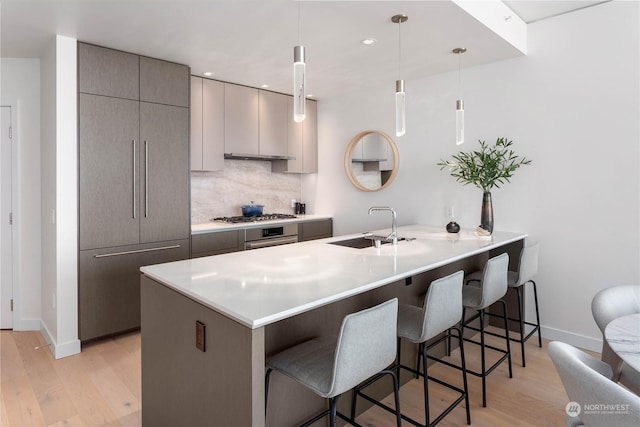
208,323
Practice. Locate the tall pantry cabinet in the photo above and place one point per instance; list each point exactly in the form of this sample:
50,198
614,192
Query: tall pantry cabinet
133,180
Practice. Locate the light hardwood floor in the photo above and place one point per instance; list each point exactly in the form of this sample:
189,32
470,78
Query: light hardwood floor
102,386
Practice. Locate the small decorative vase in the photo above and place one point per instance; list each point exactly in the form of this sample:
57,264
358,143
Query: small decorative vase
486,215
453,227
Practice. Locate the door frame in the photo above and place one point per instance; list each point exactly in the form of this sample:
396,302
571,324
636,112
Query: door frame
11,198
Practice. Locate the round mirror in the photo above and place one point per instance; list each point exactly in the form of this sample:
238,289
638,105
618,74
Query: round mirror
371,160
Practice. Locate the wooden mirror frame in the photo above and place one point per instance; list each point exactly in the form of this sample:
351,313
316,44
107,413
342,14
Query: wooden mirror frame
348,156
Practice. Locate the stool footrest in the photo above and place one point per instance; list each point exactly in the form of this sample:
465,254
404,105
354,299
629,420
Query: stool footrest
516,339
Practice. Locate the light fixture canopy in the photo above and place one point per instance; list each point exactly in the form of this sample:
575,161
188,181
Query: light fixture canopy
401,125
459,102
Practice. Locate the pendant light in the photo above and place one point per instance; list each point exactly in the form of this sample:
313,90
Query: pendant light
299,77
459,103
401,125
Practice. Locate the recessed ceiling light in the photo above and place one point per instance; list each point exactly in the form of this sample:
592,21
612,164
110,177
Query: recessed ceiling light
368,41
208,73
309,95
264,86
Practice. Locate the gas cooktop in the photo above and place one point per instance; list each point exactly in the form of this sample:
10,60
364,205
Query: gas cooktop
263,217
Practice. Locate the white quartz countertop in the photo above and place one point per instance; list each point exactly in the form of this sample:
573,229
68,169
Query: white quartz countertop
213,226
259,287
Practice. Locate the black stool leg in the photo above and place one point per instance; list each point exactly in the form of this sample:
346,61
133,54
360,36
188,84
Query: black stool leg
506,325
396,393
332,411
535,297
521,321
465,386
482,360
421,352
425,386
398,359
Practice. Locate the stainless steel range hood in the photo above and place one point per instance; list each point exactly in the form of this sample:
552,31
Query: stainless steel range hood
239,156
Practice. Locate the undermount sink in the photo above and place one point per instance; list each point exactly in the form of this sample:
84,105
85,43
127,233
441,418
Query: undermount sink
363,242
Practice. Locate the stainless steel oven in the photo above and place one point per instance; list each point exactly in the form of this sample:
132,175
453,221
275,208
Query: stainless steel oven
272,235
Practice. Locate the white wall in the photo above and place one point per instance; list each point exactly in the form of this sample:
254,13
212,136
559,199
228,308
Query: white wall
60,197
48,188
571,105
21,90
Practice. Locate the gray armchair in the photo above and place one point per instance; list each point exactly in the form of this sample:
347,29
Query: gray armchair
588,383
606,306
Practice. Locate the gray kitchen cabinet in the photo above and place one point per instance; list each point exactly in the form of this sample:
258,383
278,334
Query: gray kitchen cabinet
216,243
240,119
133,189
312,230
207,124
302,141
109,285
272,123
108,72
164,183
310,138
163,82
108,171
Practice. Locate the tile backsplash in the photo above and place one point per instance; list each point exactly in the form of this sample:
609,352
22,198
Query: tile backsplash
222,193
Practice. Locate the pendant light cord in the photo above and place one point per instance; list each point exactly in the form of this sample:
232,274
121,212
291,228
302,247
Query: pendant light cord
459,78
299,23
399,46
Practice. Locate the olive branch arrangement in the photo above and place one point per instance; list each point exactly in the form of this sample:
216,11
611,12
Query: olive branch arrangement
489,167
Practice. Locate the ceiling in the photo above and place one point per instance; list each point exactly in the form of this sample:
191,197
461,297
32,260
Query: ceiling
251,41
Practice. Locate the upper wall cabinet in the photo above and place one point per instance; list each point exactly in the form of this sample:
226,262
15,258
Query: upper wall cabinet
233,121
108,72
163,82
240,119
302,141
255,122
119,74
272,123
207,124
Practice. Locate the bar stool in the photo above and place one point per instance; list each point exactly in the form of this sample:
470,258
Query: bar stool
527,269
493,286
366,347
440,313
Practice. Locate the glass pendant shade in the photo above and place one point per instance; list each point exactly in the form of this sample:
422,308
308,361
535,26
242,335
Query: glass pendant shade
299,84
459,122
401,125
459,102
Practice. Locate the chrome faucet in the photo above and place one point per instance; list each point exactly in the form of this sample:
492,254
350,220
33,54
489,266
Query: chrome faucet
394,223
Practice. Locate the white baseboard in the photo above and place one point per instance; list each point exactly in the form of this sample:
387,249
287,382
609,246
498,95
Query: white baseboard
576,340
68,348
61,350
27,325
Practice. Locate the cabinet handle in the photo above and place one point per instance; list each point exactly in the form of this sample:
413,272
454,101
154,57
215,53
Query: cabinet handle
135,202
146,179
136,251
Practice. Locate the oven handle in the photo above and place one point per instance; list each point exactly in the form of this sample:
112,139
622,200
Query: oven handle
270,242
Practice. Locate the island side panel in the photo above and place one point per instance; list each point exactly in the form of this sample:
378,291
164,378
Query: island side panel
181,385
